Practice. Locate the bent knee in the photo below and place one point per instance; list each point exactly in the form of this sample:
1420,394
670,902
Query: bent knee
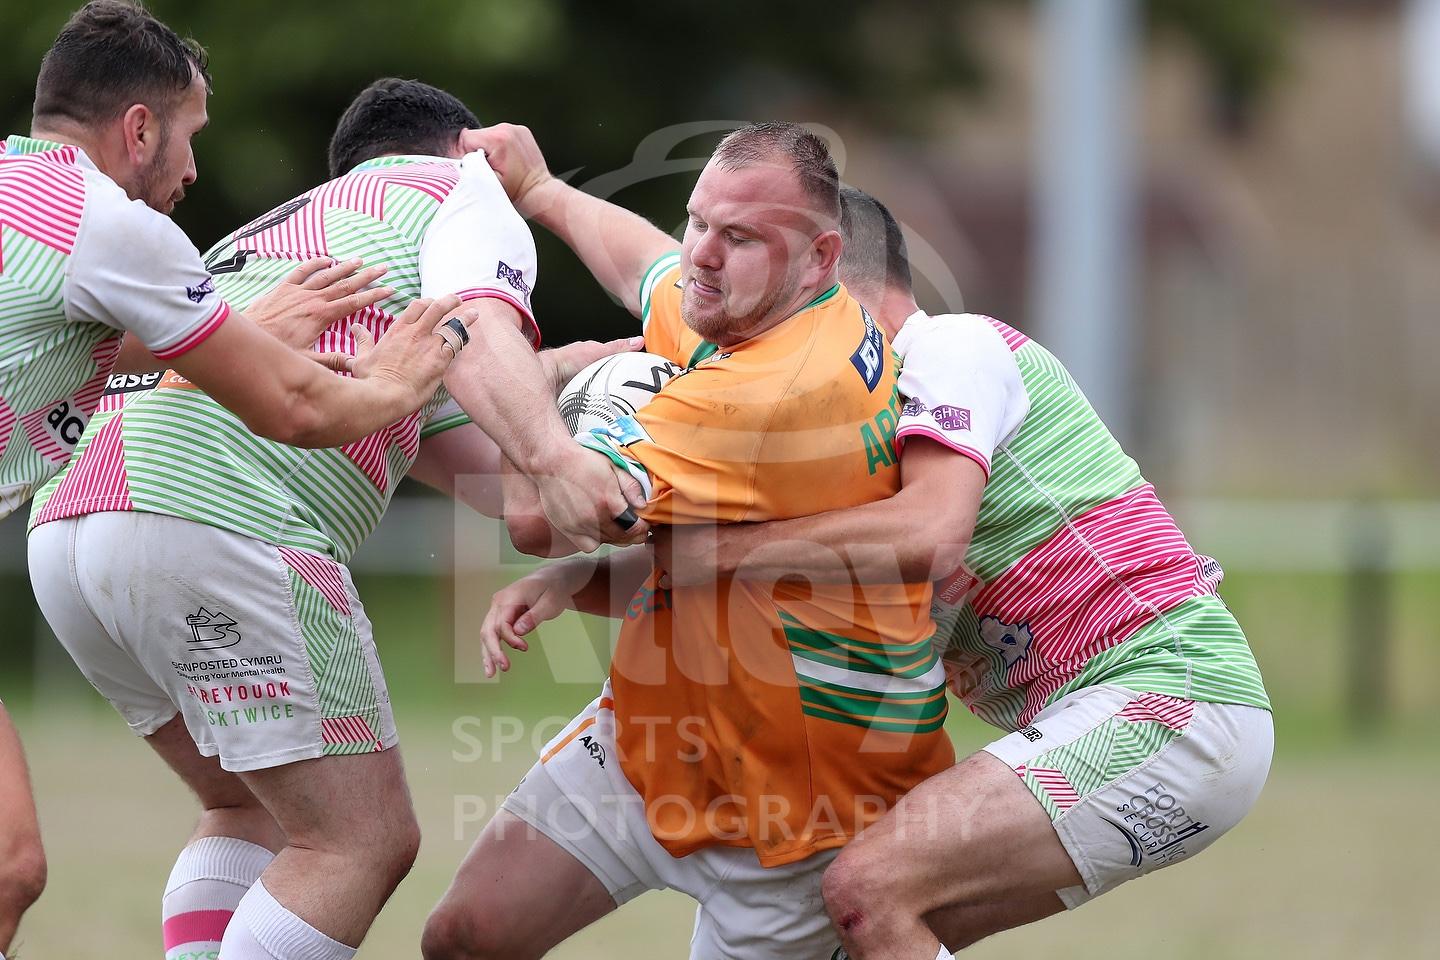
857,885
397,847
386,847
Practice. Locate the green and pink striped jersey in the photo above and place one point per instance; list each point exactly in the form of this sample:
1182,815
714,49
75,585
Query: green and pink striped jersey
80,264
160,445
1076,574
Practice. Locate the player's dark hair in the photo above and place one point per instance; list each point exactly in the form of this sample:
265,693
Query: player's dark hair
874,255
808,155
397,116
111,55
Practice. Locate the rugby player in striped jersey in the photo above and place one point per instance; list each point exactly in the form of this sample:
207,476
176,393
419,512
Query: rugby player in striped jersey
1071,612
87,256
195,570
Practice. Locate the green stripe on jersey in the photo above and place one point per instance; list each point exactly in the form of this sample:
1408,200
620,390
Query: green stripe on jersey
1195,651
647,283
1062,462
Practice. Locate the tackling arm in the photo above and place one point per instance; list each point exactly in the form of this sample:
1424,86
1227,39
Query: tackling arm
919,534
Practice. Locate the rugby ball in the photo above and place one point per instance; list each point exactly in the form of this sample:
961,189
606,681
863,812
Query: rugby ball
613,387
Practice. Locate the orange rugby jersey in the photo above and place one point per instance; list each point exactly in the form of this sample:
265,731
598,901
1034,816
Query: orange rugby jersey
787,716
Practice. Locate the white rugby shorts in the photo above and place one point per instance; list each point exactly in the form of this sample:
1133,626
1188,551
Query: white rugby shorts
266,651
578,796
1138,781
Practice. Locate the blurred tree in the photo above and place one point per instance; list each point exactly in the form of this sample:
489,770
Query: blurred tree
1240,42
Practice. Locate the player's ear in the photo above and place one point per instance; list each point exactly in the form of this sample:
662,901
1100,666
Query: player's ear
140,130
825,253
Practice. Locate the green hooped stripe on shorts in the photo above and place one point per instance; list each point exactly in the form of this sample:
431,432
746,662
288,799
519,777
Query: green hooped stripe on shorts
1059,778
343,681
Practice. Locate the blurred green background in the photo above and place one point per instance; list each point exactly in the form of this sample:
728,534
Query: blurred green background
1285,294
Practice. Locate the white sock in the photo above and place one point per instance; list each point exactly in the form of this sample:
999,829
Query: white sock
262,929
205,887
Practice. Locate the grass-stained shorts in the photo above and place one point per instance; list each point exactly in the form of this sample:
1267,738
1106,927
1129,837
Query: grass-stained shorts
266,651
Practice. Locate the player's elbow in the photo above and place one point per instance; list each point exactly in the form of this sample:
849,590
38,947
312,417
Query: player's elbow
533,535
934,541
945,559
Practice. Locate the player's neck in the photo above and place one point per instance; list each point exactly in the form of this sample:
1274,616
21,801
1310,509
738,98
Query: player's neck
72,135
890,306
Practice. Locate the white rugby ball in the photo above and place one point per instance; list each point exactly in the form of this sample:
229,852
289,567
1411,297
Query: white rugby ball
613,387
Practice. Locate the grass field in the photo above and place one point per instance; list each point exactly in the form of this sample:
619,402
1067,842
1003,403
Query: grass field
1338,860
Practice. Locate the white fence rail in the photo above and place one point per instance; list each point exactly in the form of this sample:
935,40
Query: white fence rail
418,535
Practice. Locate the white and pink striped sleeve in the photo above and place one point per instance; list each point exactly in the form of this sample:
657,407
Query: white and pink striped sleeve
961,385
478,246
134,269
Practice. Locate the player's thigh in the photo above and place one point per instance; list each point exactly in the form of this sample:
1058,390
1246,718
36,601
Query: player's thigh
211,784
960,926
970,835
571,842
518,893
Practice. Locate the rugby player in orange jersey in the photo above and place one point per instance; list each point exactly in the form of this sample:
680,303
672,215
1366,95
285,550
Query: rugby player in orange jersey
748,730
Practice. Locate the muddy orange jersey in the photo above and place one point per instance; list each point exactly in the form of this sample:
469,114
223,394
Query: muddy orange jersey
780,716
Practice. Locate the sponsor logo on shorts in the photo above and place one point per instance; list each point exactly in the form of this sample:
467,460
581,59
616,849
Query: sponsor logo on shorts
1030,733
952,418
913,408
595,749
211,631
1155,825
64,423
516,278
1011,640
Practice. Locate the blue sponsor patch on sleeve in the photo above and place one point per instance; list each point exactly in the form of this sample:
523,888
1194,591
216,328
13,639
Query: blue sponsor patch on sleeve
869,358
